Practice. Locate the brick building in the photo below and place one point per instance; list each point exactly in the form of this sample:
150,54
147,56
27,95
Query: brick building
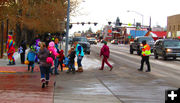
173,26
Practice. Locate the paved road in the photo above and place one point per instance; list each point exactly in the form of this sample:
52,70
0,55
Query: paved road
132,86
122,85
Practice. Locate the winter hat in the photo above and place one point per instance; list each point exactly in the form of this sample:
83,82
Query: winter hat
56,40
79,48
9,37
62,51
32,48
51,44
105,42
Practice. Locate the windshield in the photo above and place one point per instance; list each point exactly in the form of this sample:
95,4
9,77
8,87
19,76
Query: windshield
172,43
80,39
148,39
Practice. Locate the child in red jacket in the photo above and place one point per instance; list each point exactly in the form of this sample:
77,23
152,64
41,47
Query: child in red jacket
61,58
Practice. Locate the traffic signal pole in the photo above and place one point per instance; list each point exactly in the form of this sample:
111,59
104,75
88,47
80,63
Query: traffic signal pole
67,29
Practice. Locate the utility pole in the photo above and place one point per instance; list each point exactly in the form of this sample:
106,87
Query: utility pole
2,38
67,29
7,23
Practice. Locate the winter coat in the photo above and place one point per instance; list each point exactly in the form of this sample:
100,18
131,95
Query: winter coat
61,56
78,51
23,45
105,51
31,56
43,54
56,46
71,57
10,45
52,49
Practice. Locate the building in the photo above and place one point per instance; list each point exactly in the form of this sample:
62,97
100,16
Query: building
173,26
107,33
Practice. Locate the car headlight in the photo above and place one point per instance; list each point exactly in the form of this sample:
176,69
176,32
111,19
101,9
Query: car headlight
168,50
141,45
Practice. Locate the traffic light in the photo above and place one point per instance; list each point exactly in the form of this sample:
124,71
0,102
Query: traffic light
120,24
70,26
109,23
82,23
78,23
89,22
95,24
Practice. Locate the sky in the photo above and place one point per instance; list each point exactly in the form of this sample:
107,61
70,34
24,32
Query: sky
102,11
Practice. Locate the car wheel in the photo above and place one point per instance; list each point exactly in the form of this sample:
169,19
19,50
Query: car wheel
88,53
139,52
174,58
131,50
155,55
164,56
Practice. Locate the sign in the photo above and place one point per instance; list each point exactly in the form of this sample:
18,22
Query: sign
169,34
129,24
109,31
178,33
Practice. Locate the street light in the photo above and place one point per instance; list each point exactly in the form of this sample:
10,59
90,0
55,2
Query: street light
138,14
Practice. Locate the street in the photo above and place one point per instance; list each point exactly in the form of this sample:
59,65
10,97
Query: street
124,84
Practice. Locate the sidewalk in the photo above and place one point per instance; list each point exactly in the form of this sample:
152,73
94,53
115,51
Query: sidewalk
21,86
18,85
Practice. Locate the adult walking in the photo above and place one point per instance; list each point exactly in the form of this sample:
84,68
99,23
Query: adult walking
146,52
105,53
10,49
80,55
22,54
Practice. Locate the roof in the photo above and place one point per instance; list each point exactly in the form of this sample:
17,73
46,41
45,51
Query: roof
159,33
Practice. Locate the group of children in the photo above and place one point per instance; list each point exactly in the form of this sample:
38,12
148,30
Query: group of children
58,56
50,63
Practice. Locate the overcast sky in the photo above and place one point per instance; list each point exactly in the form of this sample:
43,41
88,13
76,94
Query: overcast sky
102,11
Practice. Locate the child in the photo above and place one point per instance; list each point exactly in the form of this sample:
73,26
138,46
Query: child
31,56
71,57
80,55
54,53
60,60
44,64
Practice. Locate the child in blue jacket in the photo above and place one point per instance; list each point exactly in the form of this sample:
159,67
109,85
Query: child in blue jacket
31,56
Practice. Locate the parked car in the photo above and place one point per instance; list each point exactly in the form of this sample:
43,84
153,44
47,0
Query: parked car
83,42
167,48
137,45
70,40
114,41
92,41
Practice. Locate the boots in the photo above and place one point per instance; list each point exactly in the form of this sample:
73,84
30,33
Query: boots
80,69
73,70
47,82
13,63
9,63
43,82
32,69
28,68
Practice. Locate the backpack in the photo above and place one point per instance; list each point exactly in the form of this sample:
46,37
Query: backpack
66,61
